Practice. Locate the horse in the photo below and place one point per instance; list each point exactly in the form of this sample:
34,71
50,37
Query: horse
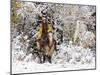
47,43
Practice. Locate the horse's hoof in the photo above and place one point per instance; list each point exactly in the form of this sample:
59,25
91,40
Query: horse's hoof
50,62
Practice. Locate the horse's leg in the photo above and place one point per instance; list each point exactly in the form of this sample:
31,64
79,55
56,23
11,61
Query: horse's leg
44,58
50,52
49,59
40,57
50,36
39,51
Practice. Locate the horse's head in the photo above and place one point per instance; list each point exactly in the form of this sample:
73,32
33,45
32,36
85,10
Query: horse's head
44,26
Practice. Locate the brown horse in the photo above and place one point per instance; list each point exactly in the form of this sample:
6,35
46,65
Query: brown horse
47,43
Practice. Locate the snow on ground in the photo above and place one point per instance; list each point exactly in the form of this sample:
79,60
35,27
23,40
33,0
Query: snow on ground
23,67
69,57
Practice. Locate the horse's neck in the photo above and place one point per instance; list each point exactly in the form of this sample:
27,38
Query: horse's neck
44,28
